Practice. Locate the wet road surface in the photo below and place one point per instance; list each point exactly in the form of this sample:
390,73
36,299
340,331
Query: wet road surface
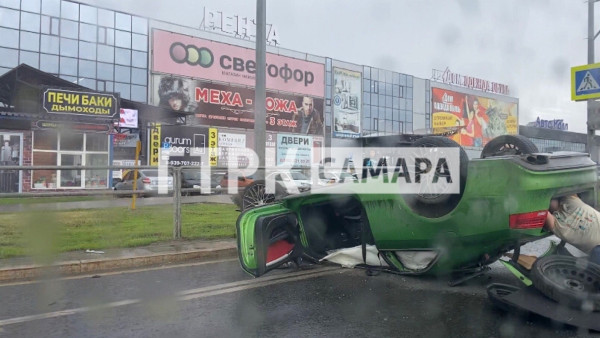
220,300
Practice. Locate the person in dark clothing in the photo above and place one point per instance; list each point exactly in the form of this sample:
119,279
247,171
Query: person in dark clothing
308,119
173,93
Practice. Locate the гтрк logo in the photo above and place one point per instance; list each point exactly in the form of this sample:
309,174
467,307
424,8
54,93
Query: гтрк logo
191,55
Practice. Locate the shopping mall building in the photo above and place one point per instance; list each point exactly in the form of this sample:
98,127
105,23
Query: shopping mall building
81,85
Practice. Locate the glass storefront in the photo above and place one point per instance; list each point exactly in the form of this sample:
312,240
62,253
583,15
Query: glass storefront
70,149
10,155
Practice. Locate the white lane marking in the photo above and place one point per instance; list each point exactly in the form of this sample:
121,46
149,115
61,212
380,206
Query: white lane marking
254,286
260,281
63,313
185,295
113,273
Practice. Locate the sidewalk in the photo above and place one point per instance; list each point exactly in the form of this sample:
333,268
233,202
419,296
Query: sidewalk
82,262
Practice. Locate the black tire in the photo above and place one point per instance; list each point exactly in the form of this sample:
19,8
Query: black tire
255,195
509,145
443,142
571,281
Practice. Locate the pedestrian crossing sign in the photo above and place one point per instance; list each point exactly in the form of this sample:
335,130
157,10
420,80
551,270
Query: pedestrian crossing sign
585,82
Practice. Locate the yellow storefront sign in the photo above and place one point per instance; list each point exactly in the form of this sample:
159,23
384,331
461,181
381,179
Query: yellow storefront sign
155,144
212,146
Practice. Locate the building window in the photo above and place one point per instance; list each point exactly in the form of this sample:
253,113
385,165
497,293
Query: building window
139,76
106,53
31,6
123,56
69,29
138,93
49,63
123,22
62,149
139,25
32,59
101,35
30,22
10,18
101,85
88,32
123,39
68,66
139,42
10,38
68,47
106,18
51,7
50,25
70,10
88,14
139,59
9,57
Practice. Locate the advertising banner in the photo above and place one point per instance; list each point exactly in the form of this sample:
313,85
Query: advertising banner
204,59
347,103
60,101
154,146
128,118
294,150
186,145
270,150
74,126
212,146
481,118
228,142
227,106
125,140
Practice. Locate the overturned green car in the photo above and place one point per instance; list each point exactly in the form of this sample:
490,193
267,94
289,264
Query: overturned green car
502,204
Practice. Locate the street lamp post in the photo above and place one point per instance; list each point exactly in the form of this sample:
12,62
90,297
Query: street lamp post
260,97
591,104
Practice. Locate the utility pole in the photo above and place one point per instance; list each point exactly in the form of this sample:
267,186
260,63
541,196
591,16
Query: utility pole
260,96
591,104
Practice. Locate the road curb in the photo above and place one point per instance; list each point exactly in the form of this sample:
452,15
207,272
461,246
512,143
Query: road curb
87,266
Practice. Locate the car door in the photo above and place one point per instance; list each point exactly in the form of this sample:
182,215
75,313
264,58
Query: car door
267,241
127,183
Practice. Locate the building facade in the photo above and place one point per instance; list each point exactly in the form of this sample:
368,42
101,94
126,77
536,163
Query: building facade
313,102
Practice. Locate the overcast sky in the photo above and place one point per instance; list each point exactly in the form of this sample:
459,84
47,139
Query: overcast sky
528,45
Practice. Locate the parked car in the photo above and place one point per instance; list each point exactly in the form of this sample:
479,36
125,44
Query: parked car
502,204
332,177
147,180
193,179
291,181
237,179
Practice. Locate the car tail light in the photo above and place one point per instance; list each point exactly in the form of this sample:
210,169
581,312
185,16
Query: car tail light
528,220
146,180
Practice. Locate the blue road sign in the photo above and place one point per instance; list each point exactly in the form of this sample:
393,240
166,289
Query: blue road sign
585,82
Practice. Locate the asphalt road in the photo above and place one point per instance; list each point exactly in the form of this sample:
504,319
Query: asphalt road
220,300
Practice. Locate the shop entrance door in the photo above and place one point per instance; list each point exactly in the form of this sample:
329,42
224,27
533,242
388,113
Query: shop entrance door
11,154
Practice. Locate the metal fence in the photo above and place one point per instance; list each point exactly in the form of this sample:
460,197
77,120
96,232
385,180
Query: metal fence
11,180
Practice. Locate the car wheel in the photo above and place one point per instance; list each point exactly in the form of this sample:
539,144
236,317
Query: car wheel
441,142
255,195
568,280
509,145
438,205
